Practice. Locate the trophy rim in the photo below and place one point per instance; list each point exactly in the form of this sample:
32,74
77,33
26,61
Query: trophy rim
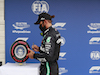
14,45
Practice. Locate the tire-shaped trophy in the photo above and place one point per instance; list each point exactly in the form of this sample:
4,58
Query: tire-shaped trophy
18,51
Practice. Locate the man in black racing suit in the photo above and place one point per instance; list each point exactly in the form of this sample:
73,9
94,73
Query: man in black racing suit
50,46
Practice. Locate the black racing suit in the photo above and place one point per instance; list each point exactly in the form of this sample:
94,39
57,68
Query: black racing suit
49,52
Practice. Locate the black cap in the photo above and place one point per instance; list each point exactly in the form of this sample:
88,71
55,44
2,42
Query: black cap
43,16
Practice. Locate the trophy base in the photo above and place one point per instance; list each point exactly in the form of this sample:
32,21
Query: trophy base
21,64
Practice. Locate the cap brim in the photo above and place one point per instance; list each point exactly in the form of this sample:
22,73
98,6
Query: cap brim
37,22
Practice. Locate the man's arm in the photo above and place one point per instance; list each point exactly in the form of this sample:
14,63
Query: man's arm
48,52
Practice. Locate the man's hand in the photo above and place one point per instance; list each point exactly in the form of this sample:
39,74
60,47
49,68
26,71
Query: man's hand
30,55
35,48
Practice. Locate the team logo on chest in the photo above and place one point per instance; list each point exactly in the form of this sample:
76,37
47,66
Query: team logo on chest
48,39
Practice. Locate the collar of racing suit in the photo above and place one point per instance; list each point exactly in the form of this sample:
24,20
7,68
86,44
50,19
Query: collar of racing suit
47,30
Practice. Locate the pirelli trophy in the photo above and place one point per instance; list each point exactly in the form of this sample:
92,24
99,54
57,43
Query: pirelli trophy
18,51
